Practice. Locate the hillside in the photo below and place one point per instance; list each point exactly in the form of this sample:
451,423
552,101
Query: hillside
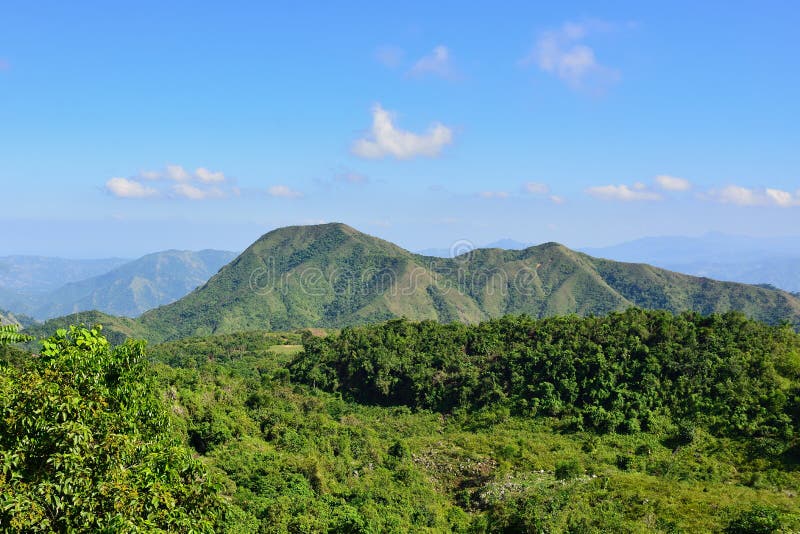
126,290
331,275
744,259
116,329
7,317
617,436
137,286
40,274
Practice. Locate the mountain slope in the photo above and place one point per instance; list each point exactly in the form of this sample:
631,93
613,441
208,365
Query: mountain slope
332,275
137,286
750,260
39,274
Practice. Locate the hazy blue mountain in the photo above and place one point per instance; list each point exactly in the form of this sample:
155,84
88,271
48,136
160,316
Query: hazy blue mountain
39,274
135,287
126,290
712,246
751,260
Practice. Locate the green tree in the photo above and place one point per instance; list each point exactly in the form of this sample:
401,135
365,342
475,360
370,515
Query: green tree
85,445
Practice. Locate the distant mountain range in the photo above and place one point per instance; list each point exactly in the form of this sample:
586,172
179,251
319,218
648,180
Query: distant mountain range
774,261
333,275
39,274
750,260
29,285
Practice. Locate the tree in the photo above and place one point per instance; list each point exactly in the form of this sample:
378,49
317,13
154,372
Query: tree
85,445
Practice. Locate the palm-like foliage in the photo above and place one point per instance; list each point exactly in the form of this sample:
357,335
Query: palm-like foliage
9,333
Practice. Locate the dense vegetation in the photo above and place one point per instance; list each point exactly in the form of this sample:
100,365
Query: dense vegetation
86,446
424,427
624,372
332,276
301,459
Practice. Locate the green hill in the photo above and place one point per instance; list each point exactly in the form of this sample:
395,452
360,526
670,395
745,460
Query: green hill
116,329
331,275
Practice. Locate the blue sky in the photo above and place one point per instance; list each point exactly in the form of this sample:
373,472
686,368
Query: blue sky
130,127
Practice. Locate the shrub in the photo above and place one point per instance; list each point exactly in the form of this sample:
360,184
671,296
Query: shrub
567,469
757,520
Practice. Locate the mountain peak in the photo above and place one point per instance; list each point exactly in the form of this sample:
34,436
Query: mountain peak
332,275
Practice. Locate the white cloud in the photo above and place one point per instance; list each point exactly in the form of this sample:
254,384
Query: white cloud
125,188
743,196
208,177
201,184
493,194
672,183
622,192
555,199
177,173
195,193
783,199
387,140
283,191
536,188
560,52
437,63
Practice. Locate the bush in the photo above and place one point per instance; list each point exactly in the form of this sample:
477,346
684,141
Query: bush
567,469
757,520
624,462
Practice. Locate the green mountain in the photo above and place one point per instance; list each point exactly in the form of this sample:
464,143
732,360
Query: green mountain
331,275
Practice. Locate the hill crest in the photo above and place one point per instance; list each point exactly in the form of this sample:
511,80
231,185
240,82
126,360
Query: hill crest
332,275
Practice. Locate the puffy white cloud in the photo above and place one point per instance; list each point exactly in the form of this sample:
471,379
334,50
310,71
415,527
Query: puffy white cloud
126,188
560,52
177,173
283,191
623,193
783,199
387,140
208,177
536,188
555,199
200,184
744,196
437,63
195,193
672,183
493,194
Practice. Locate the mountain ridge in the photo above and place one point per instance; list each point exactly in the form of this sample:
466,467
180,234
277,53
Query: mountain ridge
127,289
333,275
